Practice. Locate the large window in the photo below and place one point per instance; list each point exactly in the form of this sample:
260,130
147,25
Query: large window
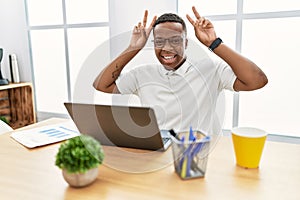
265,31
62,33
277,106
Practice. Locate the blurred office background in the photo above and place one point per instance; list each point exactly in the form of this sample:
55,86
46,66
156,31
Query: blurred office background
58,44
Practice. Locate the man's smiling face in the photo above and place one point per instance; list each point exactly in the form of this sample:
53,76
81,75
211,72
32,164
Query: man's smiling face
170,43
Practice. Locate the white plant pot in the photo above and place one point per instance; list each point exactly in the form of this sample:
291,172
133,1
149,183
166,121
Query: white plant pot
80,179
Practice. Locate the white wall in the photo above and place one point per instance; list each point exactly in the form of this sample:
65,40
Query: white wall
13,37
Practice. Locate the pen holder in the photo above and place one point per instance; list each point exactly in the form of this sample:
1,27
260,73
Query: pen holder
190,157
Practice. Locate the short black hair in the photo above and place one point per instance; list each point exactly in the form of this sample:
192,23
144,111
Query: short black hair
170,17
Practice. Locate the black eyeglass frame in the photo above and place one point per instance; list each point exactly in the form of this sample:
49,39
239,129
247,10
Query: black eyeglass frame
171,40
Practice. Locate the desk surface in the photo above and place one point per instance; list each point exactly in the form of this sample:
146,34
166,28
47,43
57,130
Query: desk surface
31,174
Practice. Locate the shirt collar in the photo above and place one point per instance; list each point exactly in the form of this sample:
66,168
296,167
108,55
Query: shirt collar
180,71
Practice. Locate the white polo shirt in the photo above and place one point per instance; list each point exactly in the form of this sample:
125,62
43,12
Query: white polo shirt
181,98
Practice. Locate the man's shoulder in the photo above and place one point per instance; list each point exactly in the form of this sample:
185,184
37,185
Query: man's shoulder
201,64
148,67
207,63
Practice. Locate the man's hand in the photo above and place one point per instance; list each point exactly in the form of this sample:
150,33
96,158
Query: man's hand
204,29
140,33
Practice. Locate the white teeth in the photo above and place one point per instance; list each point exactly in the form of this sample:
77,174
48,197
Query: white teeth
168,57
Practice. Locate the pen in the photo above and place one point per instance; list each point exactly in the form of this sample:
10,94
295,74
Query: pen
185,162
202,145
191,135
190,152
199,146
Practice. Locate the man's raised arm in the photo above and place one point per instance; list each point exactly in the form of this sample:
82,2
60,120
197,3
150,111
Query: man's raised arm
249,75
105,81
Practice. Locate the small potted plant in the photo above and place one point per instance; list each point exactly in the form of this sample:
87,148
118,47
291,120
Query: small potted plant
79,158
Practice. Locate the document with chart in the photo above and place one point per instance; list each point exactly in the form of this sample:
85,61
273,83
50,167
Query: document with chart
45,135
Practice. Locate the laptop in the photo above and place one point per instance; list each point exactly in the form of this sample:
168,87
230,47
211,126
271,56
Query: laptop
122,126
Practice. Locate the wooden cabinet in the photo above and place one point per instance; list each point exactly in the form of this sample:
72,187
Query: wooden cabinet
17,104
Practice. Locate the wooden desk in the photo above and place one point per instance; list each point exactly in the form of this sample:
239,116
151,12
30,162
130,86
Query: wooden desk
31,174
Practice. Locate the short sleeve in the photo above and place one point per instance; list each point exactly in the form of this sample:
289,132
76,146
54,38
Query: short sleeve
127,83
226,75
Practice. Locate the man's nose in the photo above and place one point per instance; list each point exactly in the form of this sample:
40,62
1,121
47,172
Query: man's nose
167,45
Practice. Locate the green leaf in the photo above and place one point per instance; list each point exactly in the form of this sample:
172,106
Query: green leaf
79,154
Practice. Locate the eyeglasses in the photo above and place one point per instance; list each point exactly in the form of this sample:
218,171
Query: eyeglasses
173,41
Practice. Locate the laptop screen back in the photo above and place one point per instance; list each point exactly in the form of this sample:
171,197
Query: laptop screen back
134,127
